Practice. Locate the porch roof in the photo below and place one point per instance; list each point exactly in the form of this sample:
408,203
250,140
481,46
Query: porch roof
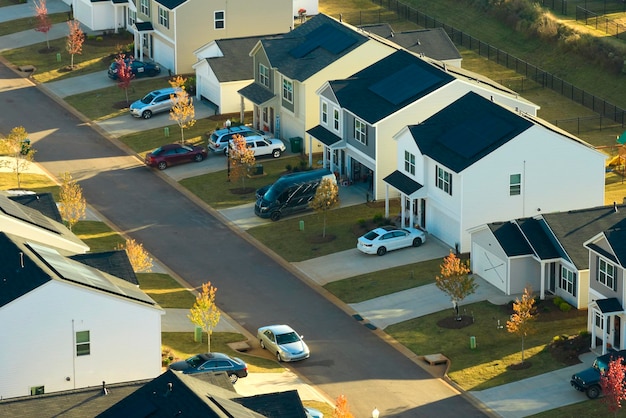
609,305
324,135
256,94
144,26
402,182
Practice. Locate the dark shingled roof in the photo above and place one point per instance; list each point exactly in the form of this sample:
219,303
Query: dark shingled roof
466,131
115,263
433,43
170,4
609,305
256,93
144,26
388,85
311,47
574,227
402,182
324,135
275,405
42,202
540,239
236,64
510,238
617,240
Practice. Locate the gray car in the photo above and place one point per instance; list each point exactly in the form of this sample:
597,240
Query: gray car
283,342
154,102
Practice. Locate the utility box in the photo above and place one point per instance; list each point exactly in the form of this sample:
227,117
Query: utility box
197,334
296,144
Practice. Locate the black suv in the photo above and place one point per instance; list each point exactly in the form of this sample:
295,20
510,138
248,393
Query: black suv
588,380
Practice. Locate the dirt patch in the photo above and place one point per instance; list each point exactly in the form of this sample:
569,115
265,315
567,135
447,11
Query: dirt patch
452,322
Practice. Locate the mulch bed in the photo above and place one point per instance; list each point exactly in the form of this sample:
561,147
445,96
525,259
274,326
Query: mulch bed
452,322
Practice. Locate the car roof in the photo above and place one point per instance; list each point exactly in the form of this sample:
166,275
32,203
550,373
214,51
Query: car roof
210,356
234,129
279,329
168,90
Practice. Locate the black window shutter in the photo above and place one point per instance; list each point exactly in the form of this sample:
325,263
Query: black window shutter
574,285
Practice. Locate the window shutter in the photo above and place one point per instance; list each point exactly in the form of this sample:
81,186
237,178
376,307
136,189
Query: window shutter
574,284
597,269
450,184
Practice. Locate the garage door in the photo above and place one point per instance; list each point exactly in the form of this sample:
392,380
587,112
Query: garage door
490,267
164,55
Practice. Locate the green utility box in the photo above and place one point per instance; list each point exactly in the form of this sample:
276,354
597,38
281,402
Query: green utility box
296,144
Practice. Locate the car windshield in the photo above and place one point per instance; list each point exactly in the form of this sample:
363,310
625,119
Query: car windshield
372,235
148,98
270,195
194,361
291,337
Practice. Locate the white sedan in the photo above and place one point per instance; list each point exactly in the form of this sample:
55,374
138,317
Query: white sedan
389,238
283,342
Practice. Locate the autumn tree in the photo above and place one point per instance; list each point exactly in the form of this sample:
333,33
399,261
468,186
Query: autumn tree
612,384
204,312
455,281
42,19
137,255
19,150
124,72
342,409
521,322
75,39
326,198
183,112
241,159
72,203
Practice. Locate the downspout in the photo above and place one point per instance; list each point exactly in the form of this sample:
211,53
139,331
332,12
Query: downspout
73,356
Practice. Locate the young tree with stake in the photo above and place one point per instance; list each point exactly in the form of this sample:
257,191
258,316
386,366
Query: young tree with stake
43,20
612,384
241,158
75,40
204,313
455,281
17,146
326,198
72,203
183,112
124,73
521,322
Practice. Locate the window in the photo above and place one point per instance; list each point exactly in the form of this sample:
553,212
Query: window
37,390
515,184
164,17
264,75
443,180
409,162
324,113
336,119
219,19
360,131
266,118
599,320
606,274
132,17
145,7
287,90
82,343
568,281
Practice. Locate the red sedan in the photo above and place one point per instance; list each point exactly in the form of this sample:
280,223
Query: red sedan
172,154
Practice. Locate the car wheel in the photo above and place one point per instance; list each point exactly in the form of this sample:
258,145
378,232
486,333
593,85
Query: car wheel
262,344
278,357
275,216
276,153
233,378
593,392
417,242
146,114
198,157
381,251
162,165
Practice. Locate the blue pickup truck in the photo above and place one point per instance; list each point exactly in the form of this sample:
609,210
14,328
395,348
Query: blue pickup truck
588,380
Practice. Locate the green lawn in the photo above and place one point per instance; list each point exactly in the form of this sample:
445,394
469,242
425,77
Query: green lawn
166,291
29,23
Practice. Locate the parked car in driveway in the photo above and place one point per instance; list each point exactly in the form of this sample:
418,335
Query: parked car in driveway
172,154
388,238
154,102
285,343
220,139
212,362
588,380
138,68
263,146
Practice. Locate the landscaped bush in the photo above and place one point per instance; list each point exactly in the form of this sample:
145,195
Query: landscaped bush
557,301
565,307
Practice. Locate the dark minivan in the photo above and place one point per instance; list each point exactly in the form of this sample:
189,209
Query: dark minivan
291,193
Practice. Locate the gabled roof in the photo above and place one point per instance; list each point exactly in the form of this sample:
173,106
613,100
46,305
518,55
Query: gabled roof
311,47
466,131
42,202
434,43
388,85
275,405
170,4
115,263
172,394
402,182
540,239
510,238
617,240
236,64
324,135
26,265
256,93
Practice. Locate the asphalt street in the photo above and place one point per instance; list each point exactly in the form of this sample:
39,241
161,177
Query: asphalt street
254,289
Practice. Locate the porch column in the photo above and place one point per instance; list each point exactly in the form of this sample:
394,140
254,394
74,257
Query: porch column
605,333
325,157
591,319
386,200
542,293
310,151
242,107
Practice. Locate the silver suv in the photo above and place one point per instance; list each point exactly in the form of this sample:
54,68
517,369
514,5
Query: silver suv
263,146
154,102
219,140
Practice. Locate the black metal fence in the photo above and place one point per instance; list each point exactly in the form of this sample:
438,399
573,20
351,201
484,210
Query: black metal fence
601,23
397,11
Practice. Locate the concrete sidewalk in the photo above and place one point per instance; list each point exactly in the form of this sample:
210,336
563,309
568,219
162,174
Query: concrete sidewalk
20,11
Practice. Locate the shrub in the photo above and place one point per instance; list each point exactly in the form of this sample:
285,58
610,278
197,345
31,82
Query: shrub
99,39
288,167
565,307
558,300
377,218
361,221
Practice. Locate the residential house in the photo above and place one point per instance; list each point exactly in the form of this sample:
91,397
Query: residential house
288,69
360,114
100,14
476,162
223,67
577,255
433,43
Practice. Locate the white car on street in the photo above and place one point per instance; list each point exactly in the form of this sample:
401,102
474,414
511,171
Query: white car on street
389,238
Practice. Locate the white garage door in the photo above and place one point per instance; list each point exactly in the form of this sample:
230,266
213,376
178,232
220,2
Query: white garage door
490,267
164,55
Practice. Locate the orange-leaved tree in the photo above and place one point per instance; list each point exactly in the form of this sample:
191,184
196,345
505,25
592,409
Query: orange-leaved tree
342,409
42,19
455,281
612,384
183,112
75,40
137,255
521,322
204,313
326,198
72,203
124,72
241,159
